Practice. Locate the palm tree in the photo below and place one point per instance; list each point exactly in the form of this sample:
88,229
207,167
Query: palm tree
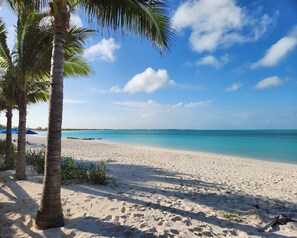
7,91
147,18
8,104
30,61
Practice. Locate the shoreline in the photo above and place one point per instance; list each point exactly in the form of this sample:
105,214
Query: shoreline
197,152
159,193
102,140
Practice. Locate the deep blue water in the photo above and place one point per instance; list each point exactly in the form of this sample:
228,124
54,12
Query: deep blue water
275,145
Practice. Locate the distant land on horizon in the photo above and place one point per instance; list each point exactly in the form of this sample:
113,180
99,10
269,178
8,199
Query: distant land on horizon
155,129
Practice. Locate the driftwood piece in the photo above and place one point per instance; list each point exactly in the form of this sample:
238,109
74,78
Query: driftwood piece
281,220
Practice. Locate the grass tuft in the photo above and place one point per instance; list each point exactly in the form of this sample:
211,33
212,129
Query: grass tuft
71,169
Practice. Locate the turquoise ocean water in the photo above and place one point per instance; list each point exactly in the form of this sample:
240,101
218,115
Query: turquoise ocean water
275,145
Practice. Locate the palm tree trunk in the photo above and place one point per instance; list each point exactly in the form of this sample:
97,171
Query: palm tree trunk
50,213
8,163
20,172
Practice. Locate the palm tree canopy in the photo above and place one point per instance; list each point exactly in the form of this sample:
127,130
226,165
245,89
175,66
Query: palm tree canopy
31,55
31,58
145,18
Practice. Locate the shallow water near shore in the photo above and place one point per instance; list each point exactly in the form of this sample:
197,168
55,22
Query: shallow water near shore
274,145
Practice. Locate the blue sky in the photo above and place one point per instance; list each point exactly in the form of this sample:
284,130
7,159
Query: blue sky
232,66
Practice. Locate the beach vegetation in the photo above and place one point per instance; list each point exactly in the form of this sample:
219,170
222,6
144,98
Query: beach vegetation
35,158
84,171
231,216
5,163
72,170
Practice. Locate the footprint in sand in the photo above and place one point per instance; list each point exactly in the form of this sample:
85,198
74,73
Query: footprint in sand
142,225
175,232
138,215
175,219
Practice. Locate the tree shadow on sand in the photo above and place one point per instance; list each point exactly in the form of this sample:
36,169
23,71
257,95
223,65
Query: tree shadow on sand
21,204
139,185
93,225
147,180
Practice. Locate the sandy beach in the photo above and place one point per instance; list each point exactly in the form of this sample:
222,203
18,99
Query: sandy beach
158,193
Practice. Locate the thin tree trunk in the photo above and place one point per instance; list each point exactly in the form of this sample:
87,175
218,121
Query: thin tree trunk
50,213
20,172
8,163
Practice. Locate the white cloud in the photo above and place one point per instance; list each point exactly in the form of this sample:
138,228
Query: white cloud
269,82
197,104
74,101
147,81
218,23
103,50
213,61
151,104
115,89
75,21
233,87
278,51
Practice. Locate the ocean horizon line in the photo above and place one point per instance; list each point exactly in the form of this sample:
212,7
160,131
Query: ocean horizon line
157,129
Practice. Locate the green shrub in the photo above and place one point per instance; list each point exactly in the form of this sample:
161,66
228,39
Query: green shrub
13,156
35,158
67,168
80,171
98,173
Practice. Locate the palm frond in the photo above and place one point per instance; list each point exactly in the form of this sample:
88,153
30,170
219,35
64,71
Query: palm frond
38,90
147,18
38,96
8,89
5,57
24,5
75,40
32,53
75,66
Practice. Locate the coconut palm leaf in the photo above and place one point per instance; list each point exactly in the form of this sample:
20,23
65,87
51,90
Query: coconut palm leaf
38,96
146,18
75,40
23,5
5,57
75,66
32,51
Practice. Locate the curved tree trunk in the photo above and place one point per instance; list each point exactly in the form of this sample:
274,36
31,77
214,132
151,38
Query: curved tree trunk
20,171
8,162
50,212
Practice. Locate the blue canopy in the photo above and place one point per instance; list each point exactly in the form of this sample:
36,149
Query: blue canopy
29,132
13,131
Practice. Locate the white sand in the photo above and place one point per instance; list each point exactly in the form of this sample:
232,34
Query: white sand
160,193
